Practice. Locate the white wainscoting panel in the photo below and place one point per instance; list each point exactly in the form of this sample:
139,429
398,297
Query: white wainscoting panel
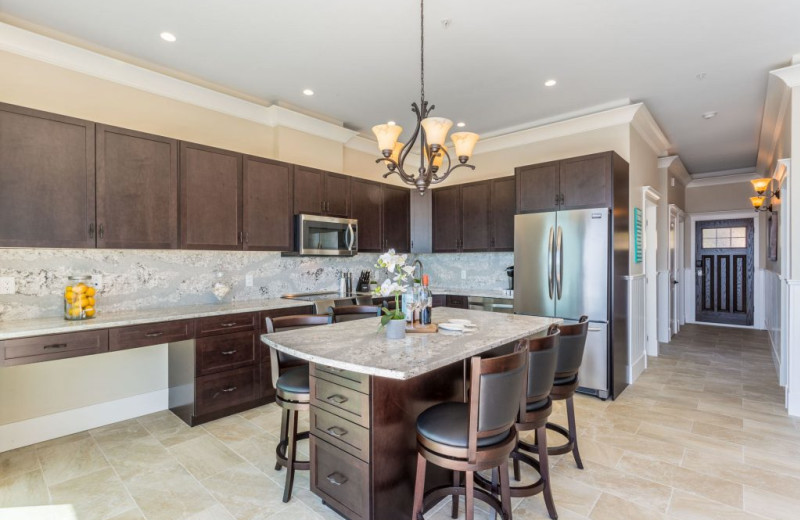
688,294
773,317
637,357
759,295
791,331
664,325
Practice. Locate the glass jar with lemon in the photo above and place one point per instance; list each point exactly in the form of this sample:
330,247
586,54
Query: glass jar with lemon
79,298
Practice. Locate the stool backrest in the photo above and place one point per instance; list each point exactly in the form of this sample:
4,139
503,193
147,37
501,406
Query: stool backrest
570,347
353,312
542,357
496,384
281,361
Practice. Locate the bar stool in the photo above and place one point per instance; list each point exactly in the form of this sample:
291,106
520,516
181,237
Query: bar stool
353,312
473,436
292,394
570,356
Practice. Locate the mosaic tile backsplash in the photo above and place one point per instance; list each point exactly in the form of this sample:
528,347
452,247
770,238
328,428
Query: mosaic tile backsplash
137,279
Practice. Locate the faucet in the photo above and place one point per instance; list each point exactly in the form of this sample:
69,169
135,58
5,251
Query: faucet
418,262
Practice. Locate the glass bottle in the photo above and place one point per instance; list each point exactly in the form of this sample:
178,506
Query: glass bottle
426,298
79,298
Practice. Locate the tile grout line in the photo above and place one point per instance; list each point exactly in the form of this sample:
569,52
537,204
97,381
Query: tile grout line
114,469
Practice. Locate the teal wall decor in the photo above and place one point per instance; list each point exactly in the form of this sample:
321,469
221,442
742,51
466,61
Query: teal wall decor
637,235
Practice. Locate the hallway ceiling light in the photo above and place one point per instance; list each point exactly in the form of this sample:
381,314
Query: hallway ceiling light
550,83
308,92
432,133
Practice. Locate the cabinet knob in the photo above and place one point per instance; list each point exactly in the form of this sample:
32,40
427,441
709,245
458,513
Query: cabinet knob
336,478
100,231
91,230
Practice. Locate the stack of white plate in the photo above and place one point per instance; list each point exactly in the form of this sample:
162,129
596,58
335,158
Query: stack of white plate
458,325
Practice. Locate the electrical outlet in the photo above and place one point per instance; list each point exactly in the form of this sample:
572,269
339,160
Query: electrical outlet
463,274
8,285
248,280
97,281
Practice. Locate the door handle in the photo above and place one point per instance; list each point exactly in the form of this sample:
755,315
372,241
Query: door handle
559,262
91,230
550,263
100,231
153,334
595,329
228,352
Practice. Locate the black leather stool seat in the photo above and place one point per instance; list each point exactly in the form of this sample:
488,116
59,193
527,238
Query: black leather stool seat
538,405
294,380
448,423
565,380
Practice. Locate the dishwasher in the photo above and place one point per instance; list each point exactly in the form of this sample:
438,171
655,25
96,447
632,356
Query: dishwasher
480,303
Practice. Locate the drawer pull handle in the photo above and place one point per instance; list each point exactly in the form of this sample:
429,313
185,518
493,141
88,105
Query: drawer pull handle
337,431
229,389
337,399
336,478
229,324
228,352
55,345
154,334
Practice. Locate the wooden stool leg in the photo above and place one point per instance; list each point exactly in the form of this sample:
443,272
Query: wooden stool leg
505,490
544,471
284,426
419,487
291,449
517,474
573,432
469,484
456,482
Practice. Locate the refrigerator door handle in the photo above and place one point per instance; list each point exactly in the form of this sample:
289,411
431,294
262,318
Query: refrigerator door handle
550,263
559,262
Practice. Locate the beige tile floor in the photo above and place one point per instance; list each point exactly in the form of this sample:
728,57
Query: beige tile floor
701,435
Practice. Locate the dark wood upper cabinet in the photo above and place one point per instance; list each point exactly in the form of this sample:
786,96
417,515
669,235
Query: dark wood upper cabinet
586,182
475,217
137,190
396,218
446,219
308,187
47,179
503,209
367,208
537,188
337,194
267,205
211,198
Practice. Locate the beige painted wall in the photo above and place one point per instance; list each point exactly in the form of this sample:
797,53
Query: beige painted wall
671,195
720,197
644,172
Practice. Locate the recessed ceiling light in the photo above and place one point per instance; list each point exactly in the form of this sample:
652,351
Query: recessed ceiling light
391,123
550,83
168,37
701,76
461,124
308,92
710,115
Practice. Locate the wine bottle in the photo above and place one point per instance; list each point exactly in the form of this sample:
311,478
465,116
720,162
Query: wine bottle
426,311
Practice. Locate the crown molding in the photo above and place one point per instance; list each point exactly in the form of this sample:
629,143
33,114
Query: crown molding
55,52
779,90
644,123
675,166
725,179
724,173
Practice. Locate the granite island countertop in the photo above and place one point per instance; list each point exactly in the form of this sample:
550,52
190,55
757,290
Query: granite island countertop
360,347
58,325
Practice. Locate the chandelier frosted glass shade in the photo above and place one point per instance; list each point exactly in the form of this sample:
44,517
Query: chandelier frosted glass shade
436,129
465,144
387,137
761,185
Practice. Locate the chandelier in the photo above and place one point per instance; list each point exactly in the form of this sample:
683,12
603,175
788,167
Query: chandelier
432,133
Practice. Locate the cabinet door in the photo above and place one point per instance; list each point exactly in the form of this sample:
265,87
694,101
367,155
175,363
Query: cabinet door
537,187
137,190
47,182
586,182
211,198
396,220
475,213
337,195
308,184
503,200
267,205
367,206
446,219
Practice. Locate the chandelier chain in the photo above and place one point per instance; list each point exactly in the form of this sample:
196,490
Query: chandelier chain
422,49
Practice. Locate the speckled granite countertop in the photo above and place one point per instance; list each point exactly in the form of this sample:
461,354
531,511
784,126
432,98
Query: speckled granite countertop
57,324
358,346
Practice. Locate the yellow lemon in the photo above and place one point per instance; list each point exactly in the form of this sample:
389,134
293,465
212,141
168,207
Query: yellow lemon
91,301
69,296
89,311
84,301
68,289
80,288
75,312
90,291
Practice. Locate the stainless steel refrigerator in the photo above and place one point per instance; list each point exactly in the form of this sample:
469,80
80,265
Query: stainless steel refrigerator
565,266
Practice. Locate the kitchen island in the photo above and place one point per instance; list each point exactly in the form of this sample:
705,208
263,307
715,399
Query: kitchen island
366,393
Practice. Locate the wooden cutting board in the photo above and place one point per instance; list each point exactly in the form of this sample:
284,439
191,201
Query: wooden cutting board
424,329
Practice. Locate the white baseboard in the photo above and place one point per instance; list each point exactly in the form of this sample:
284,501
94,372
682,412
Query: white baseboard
636,368
53,426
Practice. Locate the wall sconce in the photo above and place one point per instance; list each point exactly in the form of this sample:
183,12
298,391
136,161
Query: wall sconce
762,188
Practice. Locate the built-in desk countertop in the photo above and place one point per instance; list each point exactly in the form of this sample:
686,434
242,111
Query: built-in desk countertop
359,346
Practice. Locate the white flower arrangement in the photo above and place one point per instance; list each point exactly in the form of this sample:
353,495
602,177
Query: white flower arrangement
395,284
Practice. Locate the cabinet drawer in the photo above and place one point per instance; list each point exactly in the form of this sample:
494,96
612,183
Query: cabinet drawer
149,334
340,479
459,302
346,378
343,434
340,400
228,323
55,346
224,389
224,352
439,300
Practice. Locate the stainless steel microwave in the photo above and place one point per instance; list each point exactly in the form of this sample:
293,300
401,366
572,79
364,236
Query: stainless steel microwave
326,236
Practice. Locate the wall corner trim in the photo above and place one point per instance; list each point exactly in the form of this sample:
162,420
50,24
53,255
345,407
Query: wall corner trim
779,88
644,123
675,166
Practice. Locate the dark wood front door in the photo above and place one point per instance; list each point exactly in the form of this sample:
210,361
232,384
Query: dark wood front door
724,271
